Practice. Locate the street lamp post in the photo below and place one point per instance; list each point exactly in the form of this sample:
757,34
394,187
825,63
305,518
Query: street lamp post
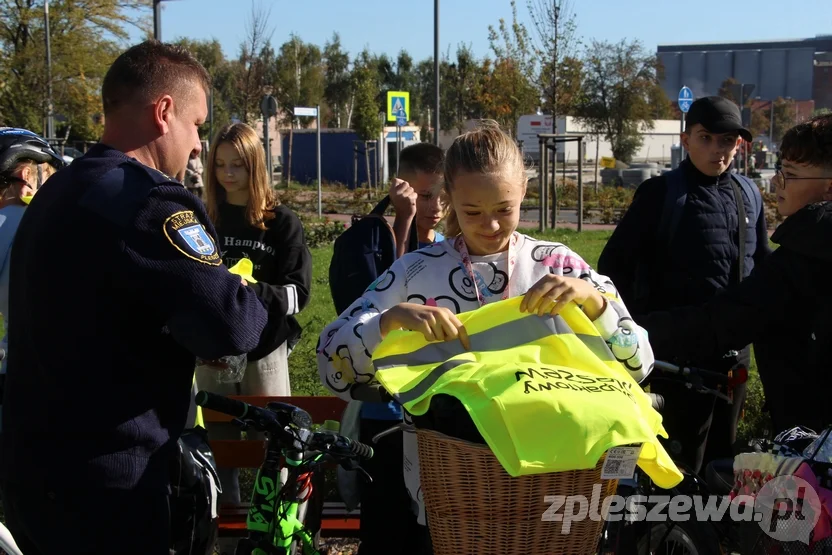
157,19
436,71
50,118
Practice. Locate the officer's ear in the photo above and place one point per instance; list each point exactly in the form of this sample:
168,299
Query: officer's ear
163,113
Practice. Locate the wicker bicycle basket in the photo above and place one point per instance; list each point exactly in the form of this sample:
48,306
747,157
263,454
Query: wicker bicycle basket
475,507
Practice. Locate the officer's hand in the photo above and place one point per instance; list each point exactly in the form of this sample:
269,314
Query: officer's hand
551,293
435,323
403,198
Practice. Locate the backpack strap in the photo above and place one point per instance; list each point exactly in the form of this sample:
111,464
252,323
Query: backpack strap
381,207
755,199
676,195
743,226
753,193
413,237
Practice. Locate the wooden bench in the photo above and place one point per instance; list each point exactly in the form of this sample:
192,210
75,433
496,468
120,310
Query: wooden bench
336,521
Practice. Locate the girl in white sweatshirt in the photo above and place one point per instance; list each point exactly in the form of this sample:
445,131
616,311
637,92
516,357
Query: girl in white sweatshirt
483,260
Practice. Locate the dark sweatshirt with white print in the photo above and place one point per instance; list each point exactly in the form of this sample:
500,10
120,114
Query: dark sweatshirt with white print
282,267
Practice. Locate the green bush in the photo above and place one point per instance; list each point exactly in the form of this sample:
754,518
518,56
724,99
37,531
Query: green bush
321,231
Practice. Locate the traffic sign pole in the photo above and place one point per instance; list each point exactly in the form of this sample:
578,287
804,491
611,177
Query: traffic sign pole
318,125
685,101
398,146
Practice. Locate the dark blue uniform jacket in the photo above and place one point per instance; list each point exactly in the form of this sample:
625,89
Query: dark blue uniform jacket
116,284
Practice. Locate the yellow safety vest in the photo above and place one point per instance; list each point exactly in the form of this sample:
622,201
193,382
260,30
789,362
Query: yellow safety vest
546,393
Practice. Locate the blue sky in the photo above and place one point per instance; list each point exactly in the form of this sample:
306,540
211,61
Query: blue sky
387,26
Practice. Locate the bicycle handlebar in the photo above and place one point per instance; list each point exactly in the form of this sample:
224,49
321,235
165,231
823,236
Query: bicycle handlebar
279,418
264,420
690,371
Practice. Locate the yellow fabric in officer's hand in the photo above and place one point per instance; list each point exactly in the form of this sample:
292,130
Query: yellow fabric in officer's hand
27,199
549,400
244,268
199,420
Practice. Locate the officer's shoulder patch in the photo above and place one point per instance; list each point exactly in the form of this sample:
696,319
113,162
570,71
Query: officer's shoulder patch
188,236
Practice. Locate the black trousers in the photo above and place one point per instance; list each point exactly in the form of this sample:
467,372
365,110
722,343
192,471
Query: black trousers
388,523
48,521
702,426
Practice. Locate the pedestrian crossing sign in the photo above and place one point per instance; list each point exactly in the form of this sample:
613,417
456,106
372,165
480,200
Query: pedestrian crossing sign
398,105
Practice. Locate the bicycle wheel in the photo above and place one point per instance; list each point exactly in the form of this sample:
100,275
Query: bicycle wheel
685,538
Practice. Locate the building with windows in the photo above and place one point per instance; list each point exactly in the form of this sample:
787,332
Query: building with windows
799,69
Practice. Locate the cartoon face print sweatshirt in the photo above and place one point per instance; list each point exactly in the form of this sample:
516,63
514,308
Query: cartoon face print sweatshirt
436,276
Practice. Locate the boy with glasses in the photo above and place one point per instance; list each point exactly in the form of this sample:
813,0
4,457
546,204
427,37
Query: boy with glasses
786,300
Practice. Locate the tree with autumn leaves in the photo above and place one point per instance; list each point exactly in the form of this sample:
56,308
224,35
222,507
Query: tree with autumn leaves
620,95
85,39
515,78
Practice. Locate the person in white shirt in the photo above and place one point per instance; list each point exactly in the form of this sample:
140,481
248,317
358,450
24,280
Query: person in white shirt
483,260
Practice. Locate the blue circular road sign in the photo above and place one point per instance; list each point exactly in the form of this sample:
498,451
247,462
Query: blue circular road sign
685,99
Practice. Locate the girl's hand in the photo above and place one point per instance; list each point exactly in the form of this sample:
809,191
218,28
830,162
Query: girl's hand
551,293
435,323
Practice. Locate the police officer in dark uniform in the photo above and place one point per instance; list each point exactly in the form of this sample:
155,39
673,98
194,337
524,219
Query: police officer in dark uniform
116,285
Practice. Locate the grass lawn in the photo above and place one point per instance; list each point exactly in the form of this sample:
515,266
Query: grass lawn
589,244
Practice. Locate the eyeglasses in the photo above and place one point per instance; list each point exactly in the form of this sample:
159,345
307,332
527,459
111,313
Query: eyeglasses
781,177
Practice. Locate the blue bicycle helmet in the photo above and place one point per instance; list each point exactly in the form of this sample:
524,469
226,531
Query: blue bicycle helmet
20,144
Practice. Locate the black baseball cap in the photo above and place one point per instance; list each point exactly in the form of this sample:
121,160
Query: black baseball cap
717,115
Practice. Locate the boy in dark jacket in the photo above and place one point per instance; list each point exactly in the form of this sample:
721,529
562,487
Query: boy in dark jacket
386,512
702,257
786,300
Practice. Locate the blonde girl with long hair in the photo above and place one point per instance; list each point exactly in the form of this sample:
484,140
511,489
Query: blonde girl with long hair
484,259
251,223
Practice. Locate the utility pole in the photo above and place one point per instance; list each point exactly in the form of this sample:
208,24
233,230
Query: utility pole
157,19
556,10
435,72
50,118
555,14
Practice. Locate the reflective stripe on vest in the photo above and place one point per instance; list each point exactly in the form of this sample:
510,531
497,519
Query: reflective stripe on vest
546,393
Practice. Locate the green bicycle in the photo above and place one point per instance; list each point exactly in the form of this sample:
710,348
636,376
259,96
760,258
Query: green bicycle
275,519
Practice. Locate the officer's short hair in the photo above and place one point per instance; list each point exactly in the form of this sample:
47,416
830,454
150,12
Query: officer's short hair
421,157
809,142
144,72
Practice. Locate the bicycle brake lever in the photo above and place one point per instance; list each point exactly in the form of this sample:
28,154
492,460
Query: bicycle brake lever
241,423
400,426
352,464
